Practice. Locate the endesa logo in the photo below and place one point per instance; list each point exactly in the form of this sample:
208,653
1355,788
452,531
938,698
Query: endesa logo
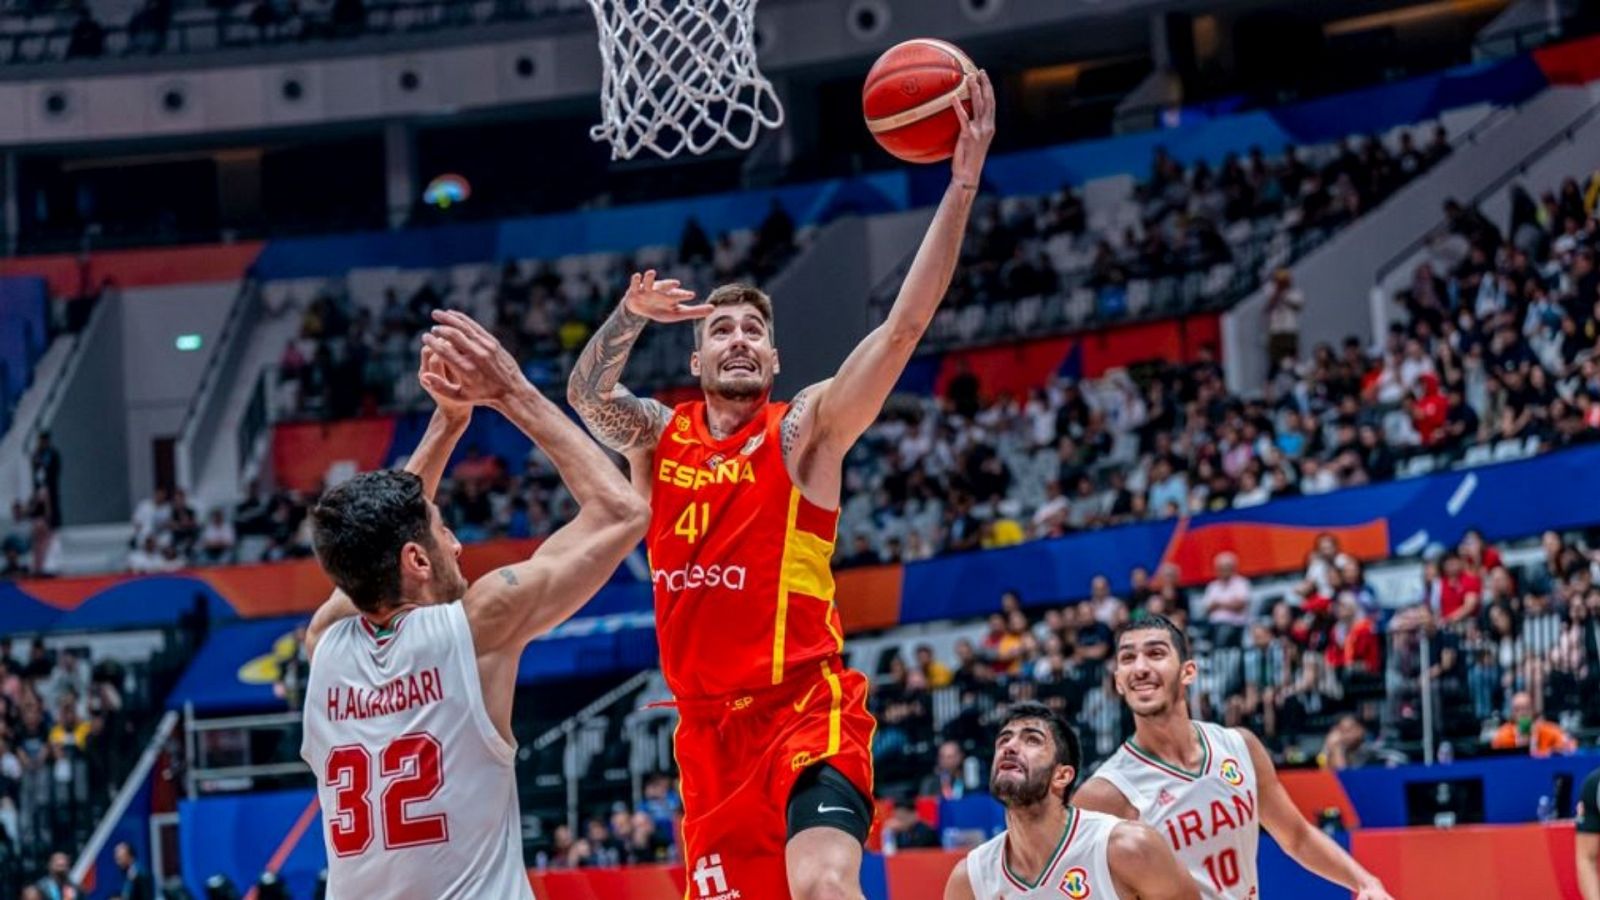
694,577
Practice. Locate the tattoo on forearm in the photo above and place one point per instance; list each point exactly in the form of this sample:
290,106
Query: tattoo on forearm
617,418
509,576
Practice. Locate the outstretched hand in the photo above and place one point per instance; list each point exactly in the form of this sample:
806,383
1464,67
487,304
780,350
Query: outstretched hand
977,130
476,370
661,301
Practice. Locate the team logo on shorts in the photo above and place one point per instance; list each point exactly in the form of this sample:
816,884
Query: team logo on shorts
1075,883
1230,772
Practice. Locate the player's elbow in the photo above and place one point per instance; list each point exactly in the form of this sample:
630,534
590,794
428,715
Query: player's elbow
631,513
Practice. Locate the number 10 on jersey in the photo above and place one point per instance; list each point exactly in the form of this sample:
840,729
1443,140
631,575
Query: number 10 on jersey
694,521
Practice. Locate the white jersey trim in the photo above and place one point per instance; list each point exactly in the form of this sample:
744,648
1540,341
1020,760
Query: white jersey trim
497,745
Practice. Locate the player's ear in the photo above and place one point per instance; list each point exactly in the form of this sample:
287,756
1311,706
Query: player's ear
415,563
1061,783
775,363
694,363
1191,671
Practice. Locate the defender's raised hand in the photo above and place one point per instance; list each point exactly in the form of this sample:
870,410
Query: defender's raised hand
486,374
661,301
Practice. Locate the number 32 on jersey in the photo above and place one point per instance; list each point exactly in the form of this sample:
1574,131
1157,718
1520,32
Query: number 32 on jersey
412,765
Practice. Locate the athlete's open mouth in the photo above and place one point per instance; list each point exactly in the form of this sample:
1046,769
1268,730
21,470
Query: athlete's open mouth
740,364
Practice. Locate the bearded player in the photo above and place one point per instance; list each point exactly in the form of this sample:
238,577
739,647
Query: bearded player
408,707
1206,789
774,740
1050,849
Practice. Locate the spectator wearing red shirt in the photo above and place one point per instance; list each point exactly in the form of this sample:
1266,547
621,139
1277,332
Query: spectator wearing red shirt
1479,556
1460,591
1355,646
1429,409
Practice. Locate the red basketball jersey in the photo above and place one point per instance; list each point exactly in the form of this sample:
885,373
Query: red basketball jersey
739,558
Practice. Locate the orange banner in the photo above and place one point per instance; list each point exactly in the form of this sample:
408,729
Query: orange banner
1504,861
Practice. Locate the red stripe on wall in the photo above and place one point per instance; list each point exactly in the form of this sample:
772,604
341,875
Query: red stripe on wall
67,274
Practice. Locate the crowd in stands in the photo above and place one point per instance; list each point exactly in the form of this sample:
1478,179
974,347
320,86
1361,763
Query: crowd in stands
65,739
646,834
349,358
1328,673
1498,351
1178,222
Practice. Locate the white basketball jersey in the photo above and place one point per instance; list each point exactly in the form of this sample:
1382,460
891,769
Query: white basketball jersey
1209,816
1078,870
418,793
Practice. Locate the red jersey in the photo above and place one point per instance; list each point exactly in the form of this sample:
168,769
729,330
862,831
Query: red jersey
740,560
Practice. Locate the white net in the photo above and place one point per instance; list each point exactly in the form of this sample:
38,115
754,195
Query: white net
680,75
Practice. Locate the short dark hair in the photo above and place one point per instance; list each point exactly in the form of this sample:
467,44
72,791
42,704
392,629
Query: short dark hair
1154,622
359,528
1068,751
737,294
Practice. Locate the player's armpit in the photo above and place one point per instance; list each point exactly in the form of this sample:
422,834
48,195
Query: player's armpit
1143,865
1100,795
515,604
959,887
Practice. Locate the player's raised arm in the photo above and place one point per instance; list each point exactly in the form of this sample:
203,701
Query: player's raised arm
1305,843
449,422
513,605
1144,866
840,409
625,423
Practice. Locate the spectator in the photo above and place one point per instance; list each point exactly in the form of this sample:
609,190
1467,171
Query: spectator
906,830
152,516
938,674
1346,745
45,466
217,539
88,38
1285,303
661,804
951,778
1360,651
136,883
1530,730
1226,603
1459,592
604,848
645,842
57,884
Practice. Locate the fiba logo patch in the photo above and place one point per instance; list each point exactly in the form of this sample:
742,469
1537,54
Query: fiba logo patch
1075,883
1230,772
710,882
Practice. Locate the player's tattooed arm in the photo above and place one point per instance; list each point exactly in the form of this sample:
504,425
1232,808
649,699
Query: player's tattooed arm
613,414
795,425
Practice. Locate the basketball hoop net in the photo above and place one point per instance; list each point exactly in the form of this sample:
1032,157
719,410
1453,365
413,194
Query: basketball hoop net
680,75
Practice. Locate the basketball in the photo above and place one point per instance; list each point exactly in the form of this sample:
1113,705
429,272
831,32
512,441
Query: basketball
906,100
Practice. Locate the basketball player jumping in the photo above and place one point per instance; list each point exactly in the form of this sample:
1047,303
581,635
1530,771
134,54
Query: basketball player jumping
1208,790
1050,848
408,707
774,739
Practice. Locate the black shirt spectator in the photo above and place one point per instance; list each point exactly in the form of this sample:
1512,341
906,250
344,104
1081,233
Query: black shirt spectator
46,471
136,884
